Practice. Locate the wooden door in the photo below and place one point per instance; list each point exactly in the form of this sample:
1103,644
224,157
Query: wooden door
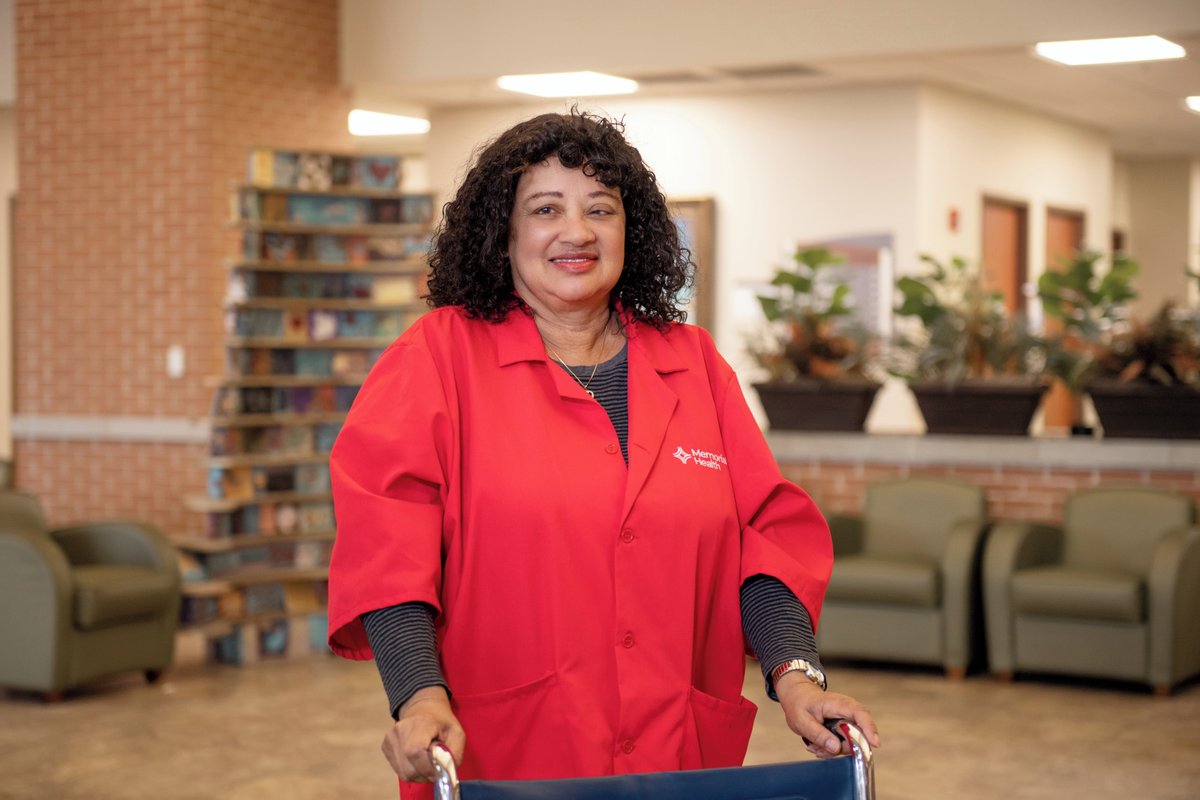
1064,237
1004,248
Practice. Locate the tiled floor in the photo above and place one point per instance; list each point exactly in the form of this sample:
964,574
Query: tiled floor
310,728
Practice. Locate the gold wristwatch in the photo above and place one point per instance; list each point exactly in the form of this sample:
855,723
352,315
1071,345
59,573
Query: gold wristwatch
798,665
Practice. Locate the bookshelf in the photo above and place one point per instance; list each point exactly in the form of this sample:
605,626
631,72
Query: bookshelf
330,270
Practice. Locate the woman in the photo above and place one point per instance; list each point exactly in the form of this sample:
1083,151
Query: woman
562,486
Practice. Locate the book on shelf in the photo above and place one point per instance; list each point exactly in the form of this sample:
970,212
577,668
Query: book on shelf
377,172
264,598
301,598
416,209
386,248
324,435
298,439
262,440
330,248
262,399
273,479
324,326
314,517
287,517
309,555
385,211
266,520
199,610
303,399
393,289
231,484
295,326
342,171
282,248
239,286
309,285
354,324
315,171
351,362
343,397
231,605
258,322
311,209
313,362
311,478
273,638
224,441
319,170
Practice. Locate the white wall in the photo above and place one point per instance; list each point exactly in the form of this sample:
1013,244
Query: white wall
972,147
1164,230
1122,200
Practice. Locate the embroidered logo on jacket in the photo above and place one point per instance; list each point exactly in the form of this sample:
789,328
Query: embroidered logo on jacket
702,458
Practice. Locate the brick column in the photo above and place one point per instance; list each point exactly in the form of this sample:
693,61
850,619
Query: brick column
134,118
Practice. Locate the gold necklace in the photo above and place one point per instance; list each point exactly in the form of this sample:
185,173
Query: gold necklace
571,372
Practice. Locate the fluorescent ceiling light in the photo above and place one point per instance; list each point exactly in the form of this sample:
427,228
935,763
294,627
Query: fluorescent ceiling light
567,84
1193,103
1110,51
375,123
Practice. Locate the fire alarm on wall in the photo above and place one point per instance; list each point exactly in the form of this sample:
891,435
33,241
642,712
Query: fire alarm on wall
952,220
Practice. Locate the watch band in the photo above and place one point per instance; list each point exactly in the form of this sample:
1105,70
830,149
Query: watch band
799,665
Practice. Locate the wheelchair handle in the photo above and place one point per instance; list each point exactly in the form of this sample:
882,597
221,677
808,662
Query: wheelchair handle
860,751
445,786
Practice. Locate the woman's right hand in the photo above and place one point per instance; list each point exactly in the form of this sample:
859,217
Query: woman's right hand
424,718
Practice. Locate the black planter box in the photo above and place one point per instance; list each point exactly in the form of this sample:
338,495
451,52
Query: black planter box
1145,411
810,405
978,408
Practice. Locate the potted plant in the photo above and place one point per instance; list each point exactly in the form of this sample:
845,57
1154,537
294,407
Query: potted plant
1093,311
1145,380
820,375
972,367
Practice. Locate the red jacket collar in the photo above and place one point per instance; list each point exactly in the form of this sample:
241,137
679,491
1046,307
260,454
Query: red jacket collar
517,339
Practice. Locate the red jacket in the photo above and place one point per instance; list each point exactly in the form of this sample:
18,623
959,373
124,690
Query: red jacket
588,620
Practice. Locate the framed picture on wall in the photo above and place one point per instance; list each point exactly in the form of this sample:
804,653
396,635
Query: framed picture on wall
694,217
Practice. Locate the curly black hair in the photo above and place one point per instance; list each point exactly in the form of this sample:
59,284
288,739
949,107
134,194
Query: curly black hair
468,259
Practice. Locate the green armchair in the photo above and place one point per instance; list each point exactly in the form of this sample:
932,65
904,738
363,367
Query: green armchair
82,602
1113,592
905,576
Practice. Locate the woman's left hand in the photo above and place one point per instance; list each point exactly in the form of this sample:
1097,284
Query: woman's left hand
806,707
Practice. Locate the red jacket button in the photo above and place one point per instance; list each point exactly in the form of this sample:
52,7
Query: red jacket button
611,448
627,535
627,746
628,640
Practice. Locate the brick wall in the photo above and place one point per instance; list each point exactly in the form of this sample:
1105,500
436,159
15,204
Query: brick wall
133,124
1012,492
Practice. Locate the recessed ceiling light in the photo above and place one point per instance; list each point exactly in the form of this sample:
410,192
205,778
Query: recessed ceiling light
567,84
1110,51
1193,103
375,123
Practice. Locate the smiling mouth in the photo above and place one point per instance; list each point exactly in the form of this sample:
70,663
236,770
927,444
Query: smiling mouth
575,261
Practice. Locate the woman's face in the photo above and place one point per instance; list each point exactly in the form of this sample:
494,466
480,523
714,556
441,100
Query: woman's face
566,239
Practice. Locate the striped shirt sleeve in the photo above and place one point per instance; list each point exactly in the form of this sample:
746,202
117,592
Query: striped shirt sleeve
405,646
777,626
